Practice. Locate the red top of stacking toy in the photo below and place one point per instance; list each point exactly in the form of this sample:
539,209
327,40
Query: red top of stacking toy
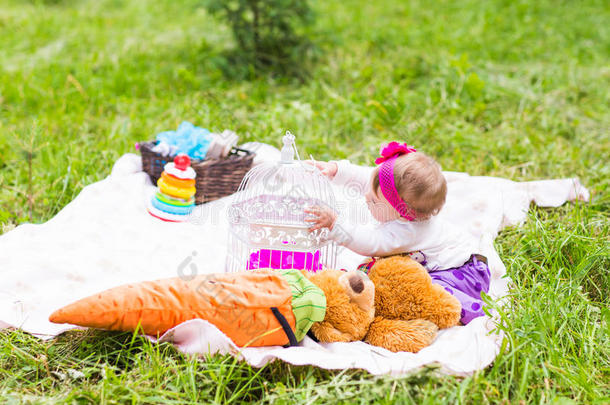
182,162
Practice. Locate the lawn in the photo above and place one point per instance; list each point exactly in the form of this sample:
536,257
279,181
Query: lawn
518,89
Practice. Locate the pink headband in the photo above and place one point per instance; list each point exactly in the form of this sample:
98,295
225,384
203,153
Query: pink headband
386,177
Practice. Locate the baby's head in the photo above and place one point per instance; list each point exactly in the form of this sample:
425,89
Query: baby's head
420,184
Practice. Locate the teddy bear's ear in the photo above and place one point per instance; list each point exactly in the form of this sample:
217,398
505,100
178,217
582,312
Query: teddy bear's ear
359,288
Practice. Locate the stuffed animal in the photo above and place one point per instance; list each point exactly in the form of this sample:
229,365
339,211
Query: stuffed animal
409,308
253,308
396,306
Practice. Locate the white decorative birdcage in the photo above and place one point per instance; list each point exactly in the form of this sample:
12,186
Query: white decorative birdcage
267,227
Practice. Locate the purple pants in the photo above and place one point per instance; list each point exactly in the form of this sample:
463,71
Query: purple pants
466,283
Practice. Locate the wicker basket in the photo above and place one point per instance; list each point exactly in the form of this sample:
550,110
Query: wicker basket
216,178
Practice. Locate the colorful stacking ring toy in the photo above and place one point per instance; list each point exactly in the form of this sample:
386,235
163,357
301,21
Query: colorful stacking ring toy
179,202
176,182
171,209
165,216
175,199
173,191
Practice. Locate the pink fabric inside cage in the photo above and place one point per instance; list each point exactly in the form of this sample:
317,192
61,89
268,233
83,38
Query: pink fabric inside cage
284,259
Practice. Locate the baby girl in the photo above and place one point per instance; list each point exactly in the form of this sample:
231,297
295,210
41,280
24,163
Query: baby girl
404,193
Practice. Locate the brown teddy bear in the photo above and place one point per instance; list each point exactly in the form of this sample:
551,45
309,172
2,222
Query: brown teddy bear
409,308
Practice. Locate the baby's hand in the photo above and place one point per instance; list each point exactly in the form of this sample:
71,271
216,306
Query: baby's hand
324,218
329,169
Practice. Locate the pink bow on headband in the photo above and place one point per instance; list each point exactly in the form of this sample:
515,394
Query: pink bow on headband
386,177
394,149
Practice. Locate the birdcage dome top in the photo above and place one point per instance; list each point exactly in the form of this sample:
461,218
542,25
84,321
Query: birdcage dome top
276,194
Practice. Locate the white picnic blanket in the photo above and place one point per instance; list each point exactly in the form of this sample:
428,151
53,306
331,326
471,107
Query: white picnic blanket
105,238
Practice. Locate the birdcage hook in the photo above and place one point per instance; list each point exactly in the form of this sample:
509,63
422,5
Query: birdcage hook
289,149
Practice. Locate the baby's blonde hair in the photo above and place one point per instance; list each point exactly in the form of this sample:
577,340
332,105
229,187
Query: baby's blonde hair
420,183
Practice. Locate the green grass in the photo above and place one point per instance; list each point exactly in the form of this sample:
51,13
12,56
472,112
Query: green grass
517,89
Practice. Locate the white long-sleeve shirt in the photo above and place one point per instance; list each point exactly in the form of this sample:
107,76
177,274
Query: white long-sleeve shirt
435,243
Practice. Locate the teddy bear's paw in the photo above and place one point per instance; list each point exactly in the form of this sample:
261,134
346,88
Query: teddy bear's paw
401,336
325,332
442,308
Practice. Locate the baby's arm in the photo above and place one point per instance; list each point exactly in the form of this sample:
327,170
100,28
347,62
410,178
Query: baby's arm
372,240
344,173
354,176
367,240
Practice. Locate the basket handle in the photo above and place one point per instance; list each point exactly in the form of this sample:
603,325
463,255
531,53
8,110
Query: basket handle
235,151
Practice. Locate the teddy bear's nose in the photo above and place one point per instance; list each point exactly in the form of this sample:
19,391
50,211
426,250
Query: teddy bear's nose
356,283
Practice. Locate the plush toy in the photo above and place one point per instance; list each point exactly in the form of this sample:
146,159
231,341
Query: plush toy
253,308
409,308
396,306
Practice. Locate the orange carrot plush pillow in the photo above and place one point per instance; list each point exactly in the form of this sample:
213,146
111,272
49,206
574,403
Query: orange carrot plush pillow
252,308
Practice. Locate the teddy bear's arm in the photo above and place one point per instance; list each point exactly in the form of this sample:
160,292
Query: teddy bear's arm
326,333
401,336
